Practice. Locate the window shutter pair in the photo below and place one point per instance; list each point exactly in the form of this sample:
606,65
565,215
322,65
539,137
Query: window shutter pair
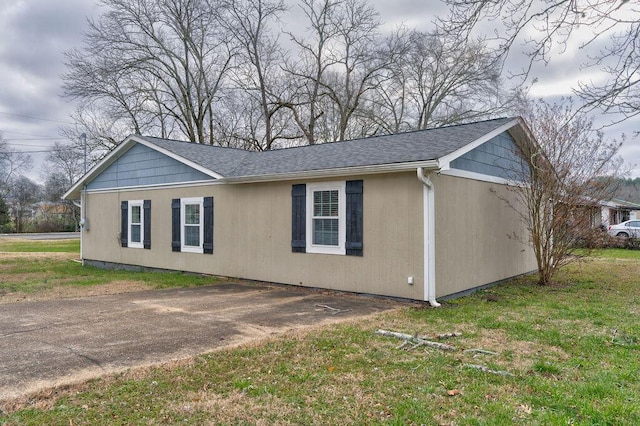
124,223
354,218
207,243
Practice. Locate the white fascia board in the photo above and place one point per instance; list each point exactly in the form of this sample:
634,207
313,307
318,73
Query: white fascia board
172,185
344,171
445,160
119,151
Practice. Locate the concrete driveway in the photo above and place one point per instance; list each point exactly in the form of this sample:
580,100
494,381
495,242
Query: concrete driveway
49,343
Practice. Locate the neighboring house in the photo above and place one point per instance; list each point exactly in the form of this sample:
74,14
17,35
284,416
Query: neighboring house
613,212
52,217
415,215
618,211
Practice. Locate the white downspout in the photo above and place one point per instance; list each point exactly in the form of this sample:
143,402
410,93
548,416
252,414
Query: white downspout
84,223
429,227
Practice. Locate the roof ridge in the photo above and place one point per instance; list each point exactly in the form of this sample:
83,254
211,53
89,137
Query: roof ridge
393,134
407,132
195,143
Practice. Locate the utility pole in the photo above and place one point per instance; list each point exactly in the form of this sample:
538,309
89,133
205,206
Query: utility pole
84,143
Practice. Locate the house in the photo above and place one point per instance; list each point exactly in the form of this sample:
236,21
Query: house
417,215
616,211
54,217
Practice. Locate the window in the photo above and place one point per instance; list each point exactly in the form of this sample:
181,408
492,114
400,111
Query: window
135,226
192,225
327,218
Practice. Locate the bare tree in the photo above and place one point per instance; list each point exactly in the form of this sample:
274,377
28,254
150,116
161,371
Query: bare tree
436,79
258,77
611,27
359,63
102,129
340,62
156,64
12,162
5,218
308,73
560,180
23,193
66,161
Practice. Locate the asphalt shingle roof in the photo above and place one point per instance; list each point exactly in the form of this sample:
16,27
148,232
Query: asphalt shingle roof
420,145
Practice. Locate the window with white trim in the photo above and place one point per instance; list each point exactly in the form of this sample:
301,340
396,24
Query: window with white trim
326,213
136,224
192,224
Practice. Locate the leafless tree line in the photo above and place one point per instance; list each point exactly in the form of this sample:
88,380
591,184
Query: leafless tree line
609,29
232,73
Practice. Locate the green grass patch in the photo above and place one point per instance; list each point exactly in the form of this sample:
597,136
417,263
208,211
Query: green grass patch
572,349
612,253
49,246
32,275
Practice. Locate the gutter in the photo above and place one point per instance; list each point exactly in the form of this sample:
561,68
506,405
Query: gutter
330,173
428,238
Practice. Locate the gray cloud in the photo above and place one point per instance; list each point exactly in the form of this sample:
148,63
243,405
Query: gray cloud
34,33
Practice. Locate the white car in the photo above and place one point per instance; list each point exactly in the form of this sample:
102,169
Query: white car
628,229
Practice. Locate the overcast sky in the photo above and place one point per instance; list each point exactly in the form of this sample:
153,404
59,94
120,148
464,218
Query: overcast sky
34,33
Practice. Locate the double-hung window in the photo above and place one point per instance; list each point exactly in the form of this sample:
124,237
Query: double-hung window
136,224
326,210
327,218
192,224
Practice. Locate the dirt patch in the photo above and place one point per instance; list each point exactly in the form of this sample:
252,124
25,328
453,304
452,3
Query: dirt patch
70,292
521,354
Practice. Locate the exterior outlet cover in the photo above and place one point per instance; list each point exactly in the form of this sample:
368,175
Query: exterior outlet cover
410,280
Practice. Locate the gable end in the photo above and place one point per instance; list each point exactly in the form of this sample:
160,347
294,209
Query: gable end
141,166
498,157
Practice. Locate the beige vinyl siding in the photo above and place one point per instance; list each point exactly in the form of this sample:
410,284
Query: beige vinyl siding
475,242
252,236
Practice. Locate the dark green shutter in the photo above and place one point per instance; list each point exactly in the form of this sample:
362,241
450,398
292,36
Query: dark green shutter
146,212
353,244
175,224
124,224
298,218
207,244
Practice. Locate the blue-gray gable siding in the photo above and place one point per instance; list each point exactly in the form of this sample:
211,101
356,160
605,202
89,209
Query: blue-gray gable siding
142,165
497,157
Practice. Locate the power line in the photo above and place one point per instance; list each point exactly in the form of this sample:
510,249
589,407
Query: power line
23,134
34,139
39,146
34,118
43,151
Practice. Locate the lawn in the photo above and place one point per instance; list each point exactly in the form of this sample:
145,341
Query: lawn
571,352
31,268
11,245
